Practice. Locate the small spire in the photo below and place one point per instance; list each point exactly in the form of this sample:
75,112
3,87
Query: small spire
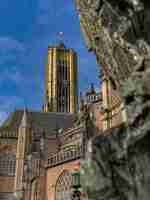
24,122
92,88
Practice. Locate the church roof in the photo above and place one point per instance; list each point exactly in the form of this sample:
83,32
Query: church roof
39,120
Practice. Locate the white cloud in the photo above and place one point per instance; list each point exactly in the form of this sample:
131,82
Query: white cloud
3,116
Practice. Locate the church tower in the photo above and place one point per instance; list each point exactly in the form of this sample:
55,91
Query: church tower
61,85
23,147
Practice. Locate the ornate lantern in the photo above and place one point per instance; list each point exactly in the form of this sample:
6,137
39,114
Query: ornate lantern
76,194
76,179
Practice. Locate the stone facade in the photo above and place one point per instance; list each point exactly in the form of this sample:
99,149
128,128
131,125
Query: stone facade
106,109
113,111
118,33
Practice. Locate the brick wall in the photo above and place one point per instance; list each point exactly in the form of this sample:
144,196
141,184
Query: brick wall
6,184
7,154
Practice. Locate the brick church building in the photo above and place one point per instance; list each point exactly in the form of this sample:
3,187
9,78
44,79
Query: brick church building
40,152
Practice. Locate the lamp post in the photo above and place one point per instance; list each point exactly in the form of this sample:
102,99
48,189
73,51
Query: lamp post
76,186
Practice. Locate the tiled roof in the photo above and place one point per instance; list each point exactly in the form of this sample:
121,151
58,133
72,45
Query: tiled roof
40,120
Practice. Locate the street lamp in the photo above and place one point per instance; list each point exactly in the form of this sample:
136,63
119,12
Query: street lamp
76,179
76,194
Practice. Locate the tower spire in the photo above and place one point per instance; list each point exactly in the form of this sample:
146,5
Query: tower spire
61,87
24,122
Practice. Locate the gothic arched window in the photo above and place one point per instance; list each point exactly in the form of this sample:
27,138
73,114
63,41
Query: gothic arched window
63,186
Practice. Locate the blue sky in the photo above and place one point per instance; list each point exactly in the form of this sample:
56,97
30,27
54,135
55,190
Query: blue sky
27,28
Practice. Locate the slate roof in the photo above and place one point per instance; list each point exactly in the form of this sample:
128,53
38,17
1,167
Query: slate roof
39,120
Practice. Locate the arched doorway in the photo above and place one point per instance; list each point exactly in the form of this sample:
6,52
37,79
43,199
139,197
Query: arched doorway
63,186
